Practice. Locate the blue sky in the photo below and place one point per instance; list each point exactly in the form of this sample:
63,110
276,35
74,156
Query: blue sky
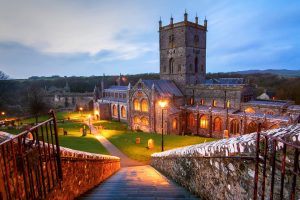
84,38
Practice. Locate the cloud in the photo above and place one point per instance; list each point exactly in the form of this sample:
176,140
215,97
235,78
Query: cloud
64,27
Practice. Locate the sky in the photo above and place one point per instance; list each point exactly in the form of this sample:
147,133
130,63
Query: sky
92,37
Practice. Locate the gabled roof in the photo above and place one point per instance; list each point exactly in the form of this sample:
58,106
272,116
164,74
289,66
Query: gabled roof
164,87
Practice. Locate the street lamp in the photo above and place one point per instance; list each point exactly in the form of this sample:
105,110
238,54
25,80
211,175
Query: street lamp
89,116
162,104
80,110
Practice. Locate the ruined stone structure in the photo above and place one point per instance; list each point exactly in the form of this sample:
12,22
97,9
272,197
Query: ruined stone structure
196,105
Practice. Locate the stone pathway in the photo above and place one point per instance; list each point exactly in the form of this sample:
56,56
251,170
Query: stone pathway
139,182
134,180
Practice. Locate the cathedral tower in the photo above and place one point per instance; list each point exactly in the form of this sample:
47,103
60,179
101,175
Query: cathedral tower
182,48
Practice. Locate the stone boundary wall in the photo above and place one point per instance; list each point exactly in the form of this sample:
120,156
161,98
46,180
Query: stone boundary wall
81,172
212,171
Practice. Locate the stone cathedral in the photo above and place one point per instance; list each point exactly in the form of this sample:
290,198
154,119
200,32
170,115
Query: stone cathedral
196,105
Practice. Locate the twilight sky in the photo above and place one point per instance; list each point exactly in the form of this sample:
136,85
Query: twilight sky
92,37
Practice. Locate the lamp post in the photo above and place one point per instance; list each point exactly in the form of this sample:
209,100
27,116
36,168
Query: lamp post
80,111
162,104
89,116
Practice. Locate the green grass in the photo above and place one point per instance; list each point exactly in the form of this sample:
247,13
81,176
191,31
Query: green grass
125,141
75,140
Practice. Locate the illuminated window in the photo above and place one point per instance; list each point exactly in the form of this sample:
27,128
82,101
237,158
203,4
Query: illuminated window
270,113
145,107
228,104
115,111
234,127
174,124
123,112
214,104
136,120
202,101
203,122
217,124
249,110
191,120
145,121
252,127
136,105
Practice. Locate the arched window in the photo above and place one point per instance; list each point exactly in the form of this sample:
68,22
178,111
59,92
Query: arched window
202,102
171,65
214,104
191,120
179,68
136,105
145,107
145,121
203,122
115,111
217,124
234,127
123,112
252,127
136,120
196,65
270,112
249,110
174,124
228,103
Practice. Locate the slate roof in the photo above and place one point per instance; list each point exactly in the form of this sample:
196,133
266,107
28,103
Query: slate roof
225,81
267,103
164,87
117,87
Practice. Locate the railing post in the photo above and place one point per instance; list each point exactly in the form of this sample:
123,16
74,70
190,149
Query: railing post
256,162
57,146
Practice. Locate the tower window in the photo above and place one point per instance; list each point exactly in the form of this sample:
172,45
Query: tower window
196,40
171,65
171,38
228,103
196,65
179,68
214,104
202,101
191,67
164,68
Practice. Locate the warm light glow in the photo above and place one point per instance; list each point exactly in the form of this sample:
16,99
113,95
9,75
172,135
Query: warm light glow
249,110
2,113
89,116
96,112
163,103
204,122
81,108
228,104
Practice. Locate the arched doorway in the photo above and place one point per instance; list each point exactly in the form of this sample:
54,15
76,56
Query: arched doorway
123,112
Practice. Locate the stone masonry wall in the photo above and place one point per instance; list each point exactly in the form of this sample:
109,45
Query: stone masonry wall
210,170
81,172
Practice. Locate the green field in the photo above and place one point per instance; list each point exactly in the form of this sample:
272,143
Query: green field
125,140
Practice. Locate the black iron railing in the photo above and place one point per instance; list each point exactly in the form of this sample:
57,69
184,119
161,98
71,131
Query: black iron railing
276,168
30,163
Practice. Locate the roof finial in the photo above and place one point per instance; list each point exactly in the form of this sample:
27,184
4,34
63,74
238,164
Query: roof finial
160,22
185,15
205,22
196,19
171,19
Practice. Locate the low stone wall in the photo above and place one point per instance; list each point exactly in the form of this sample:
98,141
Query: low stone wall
82,171
213,171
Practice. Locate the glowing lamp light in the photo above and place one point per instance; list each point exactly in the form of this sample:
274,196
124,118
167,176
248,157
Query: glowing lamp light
80,108
89,116
2,113
163,103
96,112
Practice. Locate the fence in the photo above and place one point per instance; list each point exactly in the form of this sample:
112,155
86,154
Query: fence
30,163
276,168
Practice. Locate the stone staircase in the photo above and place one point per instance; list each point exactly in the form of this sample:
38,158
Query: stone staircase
139,182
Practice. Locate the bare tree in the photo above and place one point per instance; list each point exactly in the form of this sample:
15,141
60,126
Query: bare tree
3,76
37,103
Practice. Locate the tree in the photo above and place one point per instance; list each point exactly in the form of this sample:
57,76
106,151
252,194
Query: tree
37,104
3,76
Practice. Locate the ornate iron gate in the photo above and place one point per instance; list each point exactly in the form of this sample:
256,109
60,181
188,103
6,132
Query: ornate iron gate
276,168
30,164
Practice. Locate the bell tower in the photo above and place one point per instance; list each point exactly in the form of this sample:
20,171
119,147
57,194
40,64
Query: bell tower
182,48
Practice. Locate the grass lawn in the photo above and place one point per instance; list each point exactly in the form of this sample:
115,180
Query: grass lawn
125,140
75,140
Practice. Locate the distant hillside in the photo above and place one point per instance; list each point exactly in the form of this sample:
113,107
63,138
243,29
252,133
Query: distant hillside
280,72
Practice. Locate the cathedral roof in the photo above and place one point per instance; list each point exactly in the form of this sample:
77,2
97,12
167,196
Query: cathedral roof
164,87
225,81
117,87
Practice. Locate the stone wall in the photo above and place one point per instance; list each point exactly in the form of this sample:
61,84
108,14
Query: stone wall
82,171
213,171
